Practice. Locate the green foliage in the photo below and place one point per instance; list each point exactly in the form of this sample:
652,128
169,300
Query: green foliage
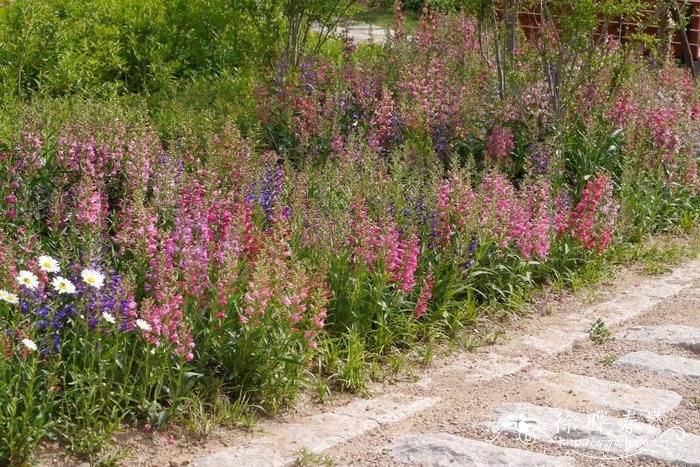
309,458
298,19
599,331
652,207
588,154
116,46
419,5
608,360
25,409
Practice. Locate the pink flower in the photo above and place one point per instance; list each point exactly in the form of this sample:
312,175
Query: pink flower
593,218
426,294
295,318
500,145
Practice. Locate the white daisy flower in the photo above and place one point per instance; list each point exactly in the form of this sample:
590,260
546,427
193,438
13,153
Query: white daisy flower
109,318
49,264
9,297
28,343
93,278
143,325
63,285
27,279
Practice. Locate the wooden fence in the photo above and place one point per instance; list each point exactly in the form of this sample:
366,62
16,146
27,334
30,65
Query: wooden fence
531,22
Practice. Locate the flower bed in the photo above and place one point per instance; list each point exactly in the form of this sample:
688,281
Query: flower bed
387,194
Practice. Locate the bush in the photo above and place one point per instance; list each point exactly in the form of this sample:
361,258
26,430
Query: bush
117,46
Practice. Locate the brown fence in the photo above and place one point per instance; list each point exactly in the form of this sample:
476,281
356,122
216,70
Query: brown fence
531,21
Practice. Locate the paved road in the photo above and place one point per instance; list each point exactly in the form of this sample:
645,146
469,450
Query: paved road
363,32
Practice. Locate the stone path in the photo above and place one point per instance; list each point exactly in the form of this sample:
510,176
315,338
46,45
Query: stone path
368,33
364,32
320,432
520,403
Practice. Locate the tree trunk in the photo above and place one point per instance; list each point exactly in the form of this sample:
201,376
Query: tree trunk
511,9
666,27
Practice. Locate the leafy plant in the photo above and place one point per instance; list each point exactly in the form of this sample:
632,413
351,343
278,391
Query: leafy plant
608,360
599,331
309,458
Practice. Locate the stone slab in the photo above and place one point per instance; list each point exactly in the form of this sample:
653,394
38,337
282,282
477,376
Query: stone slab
389,408
259,456
442,449
664,365
616,311
377,37
683,336
555,340
322,431
593,431
675,446
618,437
599,394
686,274
319,432
483,366
660,289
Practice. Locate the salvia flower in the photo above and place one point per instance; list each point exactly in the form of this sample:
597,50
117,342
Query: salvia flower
28,280
63,285
48,264
93,278
425,295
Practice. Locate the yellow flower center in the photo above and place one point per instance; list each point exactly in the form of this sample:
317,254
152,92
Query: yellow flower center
47,265
27,280
91,280
62,285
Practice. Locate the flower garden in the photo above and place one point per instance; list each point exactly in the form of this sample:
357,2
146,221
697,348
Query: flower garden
371,199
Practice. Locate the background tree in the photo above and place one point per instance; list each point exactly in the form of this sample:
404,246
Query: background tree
294,22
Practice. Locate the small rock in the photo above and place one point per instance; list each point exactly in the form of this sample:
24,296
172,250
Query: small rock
664,365
683,336
442,449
